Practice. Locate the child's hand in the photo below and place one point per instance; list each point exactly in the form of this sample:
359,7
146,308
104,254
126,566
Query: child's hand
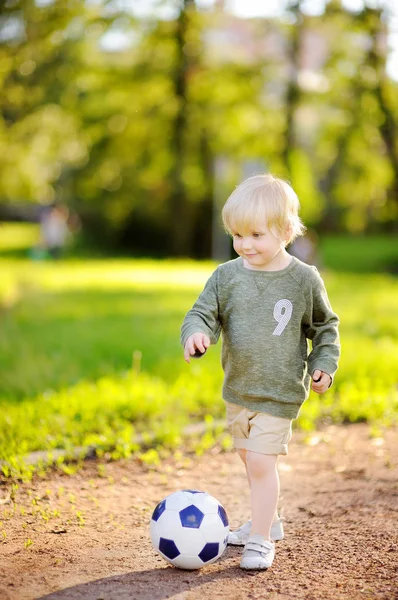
320,381
196,342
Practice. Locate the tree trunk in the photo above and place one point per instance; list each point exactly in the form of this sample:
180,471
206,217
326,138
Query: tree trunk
180,211
204,209
293,90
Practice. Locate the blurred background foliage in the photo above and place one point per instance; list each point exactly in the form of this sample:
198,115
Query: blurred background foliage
139,123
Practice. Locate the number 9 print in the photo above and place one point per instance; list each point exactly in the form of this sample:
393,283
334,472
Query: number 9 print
282,314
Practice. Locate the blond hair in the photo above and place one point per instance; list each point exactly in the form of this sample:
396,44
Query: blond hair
264,200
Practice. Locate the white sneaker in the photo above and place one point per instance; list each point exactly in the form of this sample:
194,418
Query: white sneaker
240,536
258,554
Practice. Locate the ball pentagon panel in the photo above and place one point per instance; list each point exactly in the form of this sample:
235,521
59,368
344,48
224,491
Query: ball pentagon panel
168,548
209,552
191,517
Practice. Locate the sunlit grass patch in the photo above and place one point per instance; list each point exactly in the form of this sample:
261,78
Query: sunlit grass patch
108,414
70,331
365,388
361,253
74,274
18,236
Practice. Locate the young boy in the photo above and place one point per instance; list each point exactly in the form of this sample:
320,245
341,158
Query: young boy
266,303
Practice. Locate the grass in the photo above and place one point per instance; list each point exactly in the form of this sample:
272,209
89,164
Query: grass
74,320
90,354
360,254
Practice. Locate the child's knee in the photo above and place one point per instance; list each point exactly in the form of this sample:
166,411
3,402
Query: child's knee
260,465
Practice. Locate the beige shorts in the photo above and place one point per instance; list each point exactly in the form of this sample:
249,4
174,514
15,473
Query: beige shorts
257,431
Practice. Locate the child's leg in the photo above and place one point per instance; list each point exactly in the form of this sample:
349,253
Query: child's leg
264,490
243,455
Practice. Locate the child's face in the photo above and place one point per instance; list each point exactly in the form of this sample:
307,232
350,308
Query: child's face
260,248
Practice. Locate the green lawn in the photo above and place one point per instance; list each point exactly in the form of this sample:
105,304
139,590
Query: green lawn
75,320
69,330
360,254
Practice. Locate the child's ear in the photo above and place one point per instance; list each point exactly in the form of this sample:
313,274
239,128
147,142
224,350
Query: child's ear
287,234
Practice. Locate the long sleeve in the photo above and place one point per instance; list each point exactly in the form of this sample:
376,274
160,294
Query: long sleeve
204,316
322,329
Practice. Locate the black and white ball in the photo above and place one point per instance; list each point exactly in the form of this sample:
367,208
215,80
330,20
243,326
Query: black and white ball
189,529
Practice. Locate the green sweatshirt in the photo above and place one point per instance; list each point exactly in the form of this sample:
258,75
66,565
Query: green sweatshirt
266,318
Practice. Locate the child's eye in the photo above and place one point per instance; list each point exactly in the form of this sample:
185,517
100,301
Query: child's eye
256,235
237,235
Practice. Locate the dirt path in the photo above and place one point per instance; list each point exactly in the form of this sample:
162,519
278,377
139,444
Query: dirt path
339,499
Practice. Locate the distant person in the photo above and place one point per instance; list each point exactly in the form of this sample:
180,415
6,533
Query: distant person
306,248
267,304
56,225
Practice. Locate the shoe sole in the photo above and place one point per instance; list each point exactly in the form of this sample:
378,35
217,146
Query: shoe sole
254,567
244,543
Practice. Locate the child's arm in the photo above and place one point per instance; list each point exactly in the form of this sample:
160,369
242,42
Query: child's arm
201,326
322,329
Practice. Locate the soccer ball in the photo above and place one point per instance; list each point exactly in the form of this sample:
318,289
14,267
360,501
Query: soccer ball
189,529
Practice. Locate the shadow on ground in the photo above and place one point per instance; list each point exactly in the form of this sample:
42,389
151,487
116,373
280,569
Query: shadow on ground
151,584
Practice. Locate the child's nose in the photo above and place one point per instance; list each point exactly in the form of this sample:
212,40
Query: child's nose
246,243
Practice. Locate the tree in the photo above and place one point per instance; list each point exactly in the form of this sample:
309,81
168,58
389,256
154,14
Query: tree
383,93
354,133
128,136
